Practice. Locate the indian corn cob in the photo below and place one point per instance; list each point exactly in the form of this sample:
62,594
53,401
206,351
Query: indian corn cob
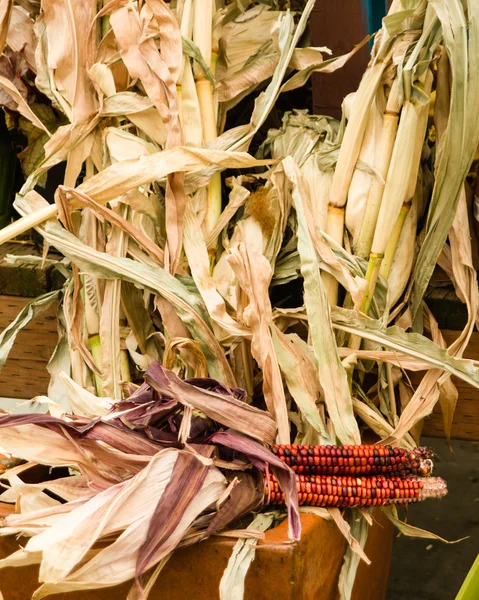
355,460
327,490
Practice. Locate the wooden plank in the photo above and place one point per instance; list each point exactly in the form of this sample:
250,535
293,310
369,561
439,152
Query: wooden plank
30,345
472,350
24,379
25,280
465,424
24,374
329,28
449,312
10,306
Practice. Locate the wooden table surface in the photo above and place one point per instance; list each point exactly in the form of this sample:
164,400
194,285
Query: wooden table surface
306,570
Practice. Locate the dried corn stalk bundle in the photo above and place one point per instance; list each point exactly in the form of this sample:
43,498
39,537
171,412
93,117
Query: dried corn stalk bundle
296,276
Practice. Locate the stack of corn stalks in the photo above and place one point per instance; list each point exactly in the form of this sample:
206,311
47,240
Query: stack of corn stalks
170,260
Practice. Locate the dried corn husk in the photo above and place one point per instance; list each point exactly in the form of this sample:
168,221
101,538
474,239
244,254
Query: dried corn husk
362,179
248,54
404,257
317,184
310,140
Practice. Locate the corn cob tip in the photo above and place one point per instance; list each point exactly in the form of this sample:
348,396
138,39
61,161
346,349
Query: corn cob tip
425,467
423,452
424,456
434,487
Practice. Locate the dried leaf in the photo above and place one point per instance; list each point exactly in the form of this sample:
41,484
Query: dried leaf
313,63
190,109
144,62
123,145
138,318
246,495
28,313
83,402
187,478
198,261
22,105
170,43
226,410
460,139
286,38
6,8
117,245
412,344
156,280
70,52
117,562
410,530
345,529
20,36
192,50
232,583
127,175
301,376
117,218
254,273
247,53
67,488
359,529
332,376
261,458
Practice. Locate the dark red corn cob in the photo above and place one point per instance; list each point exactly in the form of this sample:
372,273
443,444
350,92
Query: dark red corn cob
328,490
355,460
